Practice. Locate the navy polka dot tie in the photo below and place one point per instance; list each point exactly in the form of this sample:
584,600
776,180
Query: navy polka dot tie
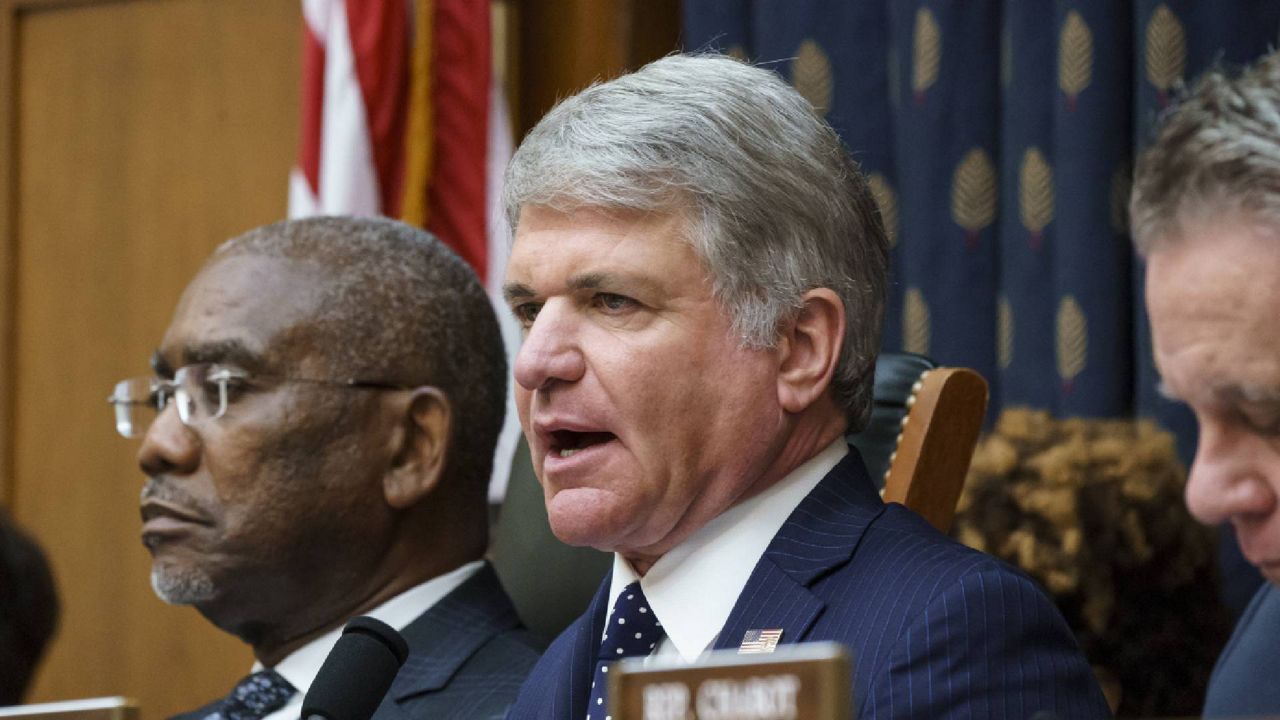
632,630
254,697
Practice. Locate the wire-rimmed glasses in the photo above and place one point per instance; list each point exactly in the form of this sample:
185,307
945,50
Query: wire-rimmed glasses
200,392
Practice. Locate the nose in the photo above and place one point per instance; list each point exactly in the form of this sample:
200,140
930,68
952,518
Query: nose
169,446
551,351
1230,477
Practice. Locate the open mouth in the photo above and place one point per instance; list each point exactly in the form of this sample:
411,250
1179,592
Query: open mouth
566,443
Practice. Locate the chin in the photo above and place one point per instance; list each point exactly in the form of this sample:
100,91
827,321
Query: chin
579,518
181,586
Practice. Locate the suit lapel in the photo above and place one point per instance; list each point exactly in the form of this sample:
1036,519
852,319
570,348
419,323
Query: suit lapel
576,688
442,638
822,533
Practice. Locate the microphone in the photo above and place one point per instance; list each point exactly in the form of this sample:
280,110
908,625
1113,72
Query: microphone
357,673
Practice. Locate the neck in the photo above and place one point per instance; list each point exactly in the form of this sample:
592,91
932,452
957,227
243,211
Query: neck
431,541
272,645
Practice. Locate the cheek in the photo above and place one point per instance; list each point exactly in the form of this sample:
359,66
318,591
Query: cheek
523,399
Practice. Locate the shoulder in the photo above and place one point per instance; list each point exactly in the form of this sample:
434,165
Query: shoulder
901,555
1243,681
515,651
483,685
939,628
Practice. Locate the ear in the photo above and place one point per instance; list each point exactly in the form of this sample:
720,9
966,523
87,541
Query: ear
809,349
420,446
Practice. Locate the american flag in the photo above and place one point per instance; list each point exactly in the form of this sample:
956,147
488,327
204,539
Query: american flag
759,641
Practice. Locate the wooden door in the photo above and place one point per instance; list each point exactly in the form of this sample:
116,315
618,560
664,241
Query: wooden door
135,135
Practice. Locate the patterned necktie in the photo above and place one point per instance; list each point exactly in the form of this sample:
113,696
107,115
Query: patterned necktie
254,697
632,630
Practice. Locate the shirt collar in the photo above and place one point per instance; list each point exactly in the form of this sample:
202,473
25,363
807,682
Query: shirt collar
301,666
693,587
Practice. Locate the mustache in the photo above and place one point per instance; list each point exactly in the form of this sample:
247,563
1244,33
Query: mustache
161,490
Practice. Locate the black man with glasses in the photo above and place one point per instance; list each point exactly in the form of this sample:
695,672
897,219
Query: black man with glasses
317,438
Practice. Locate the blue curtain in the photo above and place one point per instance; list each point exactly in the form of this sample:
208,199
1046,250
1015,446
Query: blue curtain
999,137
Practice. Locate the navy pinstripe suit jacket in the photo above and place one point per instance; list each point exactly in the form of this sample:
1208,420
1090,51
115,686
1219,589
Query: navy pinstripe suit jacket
468,655
935,629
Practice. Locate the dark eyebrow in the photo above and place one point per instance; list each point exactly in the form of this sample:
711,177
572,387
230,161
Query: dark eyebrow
589,281
516,291
233,352
230,352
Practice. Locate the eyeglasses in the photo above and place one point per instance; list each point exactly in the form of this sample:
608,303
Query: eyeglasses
201,393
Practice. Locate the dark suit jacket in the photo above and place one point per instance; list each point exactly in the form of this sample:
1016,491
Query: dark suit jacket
935,630
468,655
1244,680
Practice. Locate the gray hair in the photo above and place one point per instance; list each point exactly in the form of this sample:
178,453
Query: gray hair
399,306
1217,150
774,203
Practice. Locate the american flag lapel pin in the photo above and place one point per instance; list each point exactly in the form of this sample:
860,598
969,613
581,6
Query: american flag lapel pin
759,641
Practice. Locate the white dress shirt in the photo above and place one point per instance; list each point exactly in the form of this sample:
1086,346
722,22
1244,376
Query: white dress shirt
301,666
693,587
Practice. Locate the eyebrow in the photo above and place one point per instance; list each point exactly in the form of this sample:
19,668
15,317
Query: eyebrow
516,291
585,281
233,352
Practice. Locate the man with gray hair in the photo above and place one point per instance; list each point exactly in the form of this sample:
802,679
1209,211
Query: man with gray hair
700,272
1205,213
317,440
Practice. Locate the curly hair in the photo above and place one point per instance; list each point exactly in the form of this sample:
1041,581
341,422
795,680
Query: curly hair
1093,510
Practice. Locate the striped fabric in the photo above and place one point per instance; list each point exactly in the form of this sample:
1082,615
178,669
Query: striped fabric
936,630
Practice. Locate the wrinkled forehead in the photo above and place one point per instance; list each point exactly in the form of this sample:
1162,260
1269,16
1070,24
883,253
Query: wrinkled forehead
248,309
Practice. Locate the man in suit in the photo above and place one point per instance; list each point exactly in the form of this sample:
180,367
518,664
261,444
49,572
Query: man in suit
317,440
1205,214
700,271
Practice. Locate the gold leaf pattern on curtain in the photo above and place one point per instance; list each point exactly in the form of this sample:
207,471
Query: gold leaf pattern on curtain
1072,341
927,47
1075,58
811,75
1035,194
915,322
887,200
1166,53
973,194
1004,332
1121,185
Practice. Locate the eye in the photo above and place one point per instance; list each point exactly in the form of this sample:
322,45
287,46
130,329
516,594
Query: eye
613,302
1261,422
526,313
220,380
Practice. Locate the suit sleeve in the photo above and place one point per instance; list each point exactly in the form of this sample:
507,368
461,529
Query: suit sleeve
991,645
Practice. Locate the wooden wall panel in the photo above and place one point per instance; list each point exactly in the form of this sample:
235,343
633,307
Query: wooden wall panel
143,133
566,44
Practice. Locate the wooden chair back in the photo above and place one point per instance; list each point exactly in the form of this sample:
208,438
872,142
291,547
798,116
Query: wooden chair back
939,432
